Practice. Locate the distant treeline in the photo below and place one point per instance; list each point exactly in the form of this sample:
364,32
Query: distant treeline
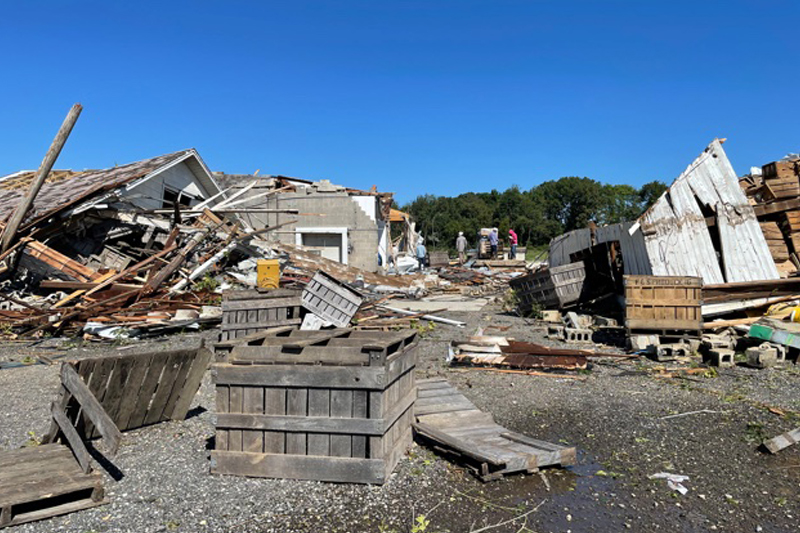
537,215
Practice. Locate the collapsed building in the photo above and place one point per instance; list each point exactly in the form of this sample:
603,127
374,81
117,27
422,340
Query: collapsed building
702,226
85,221
350,226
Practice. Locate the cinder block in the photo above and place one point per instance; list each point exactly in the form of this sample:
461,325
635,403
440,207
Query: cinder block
670,352
551,315
720,357
637,343
555,332
604,321
763,356
577,335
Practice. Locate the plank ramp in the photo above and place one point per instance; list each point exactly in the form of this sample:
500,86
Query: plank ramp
446,418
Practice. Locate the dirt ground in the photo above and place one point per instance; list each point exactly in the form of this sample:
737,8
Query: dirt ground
615,417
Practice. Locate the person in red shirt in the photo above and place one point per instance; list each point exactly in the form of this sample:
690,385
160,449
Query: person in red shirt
512,238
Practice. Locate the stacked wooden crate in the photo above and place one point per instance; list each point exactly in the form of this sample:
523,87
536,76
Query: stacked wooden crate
776,241
332,405
253,310
781,179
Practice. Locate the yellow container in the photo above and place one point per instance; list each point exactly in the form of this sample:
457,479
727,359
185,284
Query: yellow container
268,273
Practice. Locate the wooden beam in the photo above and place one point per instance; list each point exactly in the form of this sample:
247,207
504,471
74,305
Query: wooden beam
60,262
46,166
91,407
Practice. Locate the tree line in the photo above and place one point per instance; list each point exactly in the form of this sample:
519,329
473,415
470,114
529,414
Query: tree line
537,215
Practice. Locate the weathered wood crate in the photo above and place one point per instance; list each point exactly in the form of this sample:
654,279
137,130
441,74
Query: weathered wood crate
663,303
438,259
550,288
249,311
331,405
331,300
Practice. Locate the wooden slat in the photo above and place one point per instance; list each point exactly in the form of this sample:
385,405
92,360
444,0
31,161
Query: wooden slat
92,408
296,406
74,440
336,469
319,406
252,402
301,376
274,404
194,377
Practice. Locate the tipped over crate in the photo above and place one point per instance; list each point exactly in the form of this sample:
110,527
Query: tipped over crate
332,405
551,288
331,300
250,311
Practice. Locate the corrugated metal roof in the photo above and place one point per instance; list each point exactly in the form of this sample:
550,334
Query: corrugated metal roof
672,238
678,239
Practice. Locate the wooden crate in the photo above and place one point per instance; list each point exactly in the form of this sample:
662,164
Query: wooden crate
780,169
550,288
439,259
332,405
249,311
663,303
331,300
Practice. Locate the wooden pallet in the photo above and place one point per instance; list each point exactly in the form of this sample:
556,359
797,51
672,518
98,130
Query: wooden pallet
140,389
57,478
448,420
45,481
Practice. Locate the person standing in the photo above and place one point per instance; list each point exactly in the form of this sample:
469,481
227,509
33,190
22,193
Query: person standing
513,240
461,247
493,240
421,253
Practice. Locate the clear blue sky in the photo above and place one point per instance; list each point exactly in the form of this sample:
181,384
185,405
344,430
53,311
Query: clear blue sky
438,97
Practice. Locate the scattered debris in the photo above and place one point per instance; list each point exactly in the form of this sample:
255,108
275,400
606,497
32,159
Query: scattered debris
674,481
776,444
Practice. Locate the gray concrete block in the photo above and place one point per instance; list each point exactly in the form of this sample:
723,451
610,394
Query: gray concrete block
577,335
721,357
763,356
637,343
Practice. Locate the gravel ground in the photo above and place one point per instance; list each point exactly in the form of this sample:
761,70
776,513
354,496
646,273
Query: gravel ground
614,417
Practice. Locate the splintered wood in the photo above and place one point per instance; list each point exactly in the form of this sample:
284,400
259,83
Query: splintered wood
447,419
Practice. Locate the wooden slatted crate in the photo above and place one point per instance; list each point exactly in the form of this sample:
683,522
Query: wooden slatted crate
663,303
331,300
249,311
331,405
550,288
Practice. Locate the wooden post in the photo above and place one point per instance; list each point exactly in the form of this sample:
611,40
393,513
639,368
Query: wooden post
44,169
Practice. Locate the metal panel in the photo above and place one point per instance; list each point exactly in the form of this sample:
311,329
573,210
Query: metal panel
677,236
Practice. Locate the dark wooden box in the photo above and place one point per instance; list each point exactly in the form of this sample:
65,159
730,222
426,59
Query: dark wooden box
332,405
250,311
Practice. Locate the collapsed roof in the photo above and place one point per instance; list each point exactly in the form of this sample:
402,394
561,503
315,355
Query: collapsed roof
702,226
